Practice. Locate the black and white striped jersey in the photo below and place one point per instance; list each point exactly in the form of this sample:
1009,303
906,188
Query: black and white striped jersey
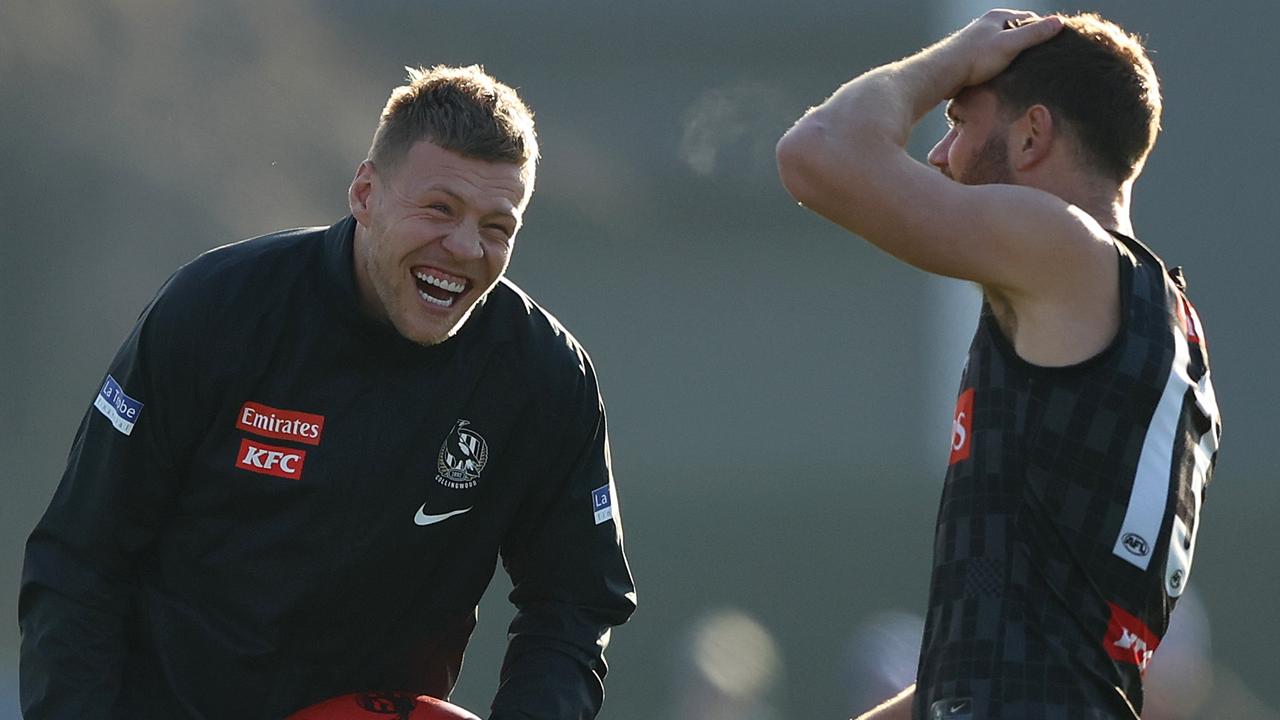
1069,513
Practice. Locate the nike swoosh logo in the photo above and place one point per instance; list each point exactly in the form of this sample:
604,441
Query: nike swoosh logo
423,519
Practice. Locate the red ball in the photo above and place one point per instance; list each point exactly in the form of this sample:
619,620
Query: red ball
382,706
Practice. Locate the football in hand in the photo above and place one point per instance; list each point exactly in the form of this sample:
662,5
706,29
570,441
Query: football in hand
382,706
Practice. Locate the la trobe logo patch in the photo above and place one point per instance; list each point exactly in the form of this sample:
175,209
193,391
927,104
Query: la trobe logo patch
116,406
462,458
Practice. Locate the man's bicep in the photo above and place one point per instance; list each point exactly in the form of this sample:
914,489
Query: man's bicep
1003,236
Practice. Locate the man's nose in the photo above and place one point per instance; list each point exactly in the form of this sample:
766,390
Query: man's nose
464,242
938,155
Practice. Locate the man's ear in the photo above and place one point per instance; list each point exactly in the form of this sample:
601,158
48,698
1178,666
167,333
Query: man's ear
1031,138
360,194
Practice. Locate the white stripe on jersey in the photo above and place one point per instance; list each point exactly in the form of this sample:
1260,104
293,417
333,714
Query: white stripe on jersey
1139,534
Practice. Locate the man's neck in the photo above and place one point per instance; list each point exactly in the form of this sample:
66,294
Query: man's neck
1106,202
1111,210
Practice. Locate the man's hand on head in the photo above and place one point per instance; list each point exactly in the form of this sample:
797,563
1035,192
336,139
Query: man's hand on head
987,45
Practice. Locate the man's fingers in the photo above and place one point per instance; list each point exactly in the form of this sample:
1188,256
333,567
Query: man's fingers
1019,15
1033,30
992,41
1008,18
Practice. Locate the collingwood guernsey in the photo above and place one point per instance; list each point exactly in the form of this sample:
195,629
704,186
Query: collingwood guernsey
1069,514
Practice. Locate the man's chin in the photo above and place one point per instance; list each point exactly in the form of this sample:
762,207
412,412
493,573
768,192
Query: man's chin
429,338
429,334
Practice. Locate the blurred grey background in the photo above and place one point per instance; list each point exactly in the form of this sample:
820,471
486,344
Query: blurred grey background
779,392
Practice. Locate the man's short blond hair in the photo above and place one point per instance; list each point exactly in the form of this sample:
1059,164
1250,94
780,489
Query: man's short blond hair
463,109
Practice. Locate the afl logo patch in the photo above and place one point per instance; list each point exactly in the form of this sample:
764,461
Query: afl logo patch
1135,544
462,458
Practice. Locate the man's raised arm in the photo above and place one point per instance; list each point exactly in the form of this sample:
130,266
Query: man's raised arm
846,160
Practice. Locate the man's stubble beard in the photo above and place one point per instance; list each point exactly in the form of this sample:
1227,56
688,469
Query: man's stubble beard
991,166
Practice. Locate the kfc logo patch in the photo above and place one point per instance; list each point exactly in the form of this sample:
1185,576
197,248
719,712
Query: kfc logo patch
1128,639
266,459
280,424
962,428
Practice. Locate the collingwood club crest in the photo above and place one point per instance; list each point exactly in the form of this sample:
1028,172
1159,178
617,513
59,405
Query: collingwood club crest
462,457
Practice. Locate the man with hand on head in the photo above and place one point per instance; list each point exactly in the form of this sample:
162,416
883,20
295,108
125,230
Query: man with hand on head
304,463
1086,428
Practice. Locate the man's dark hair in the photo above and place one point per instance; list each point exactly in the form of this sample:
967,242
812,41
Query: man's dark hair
1097,78
462,109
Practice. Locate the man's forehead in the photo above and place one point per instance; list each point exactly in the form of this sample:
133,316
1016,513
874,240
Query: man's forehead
498,185
970,97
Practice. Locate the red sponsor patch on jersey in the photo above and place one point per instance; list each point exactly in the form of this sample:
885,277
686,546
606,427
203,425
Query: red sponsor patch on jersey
962,428
1128,639
280,424
1190,320
267,459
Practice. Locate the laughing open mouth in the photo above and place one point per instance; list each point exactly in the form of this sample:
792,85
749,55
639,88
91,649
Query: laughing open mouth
438,287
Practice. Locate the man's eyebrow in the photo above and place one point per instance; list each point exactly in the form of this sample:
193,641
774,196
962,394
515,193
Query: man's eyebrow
512,213
441,189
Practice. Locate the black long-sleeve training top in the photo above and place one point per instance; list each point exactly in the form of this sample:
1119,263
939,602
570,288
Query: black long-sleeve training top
274,499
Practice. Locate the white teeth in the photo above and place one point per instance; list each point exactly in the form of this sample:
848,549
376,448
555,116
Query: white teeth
434,301
453,287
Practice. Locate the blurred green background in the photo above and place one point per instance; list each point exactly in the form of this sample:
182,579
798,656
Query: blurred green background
779,392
